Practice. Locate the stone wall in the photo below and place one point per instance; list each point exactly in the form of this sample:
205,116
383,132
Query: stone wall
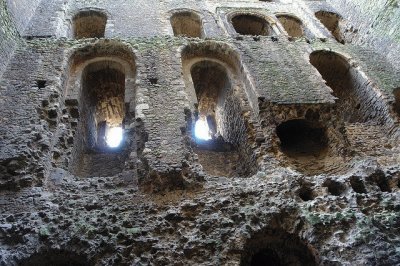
9,36
22,12
299,182
373,24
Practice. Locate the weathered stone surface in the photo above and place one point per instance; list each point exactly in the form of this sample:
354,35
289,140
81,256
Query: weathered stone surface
302,167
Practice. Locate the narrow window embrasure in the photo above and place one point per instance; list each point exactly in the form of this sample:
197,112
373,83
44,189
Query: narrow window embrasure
332,22
347,86
104,110
292,25
89,24
218,128
187,24
100,145
210,82
251,25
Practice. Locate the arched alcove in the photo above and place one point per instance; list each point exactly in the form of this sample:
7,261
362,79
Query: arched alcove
212,85
332,22
347,84
300,137
103,108
216,97
187,24
100,103
292,25
89,24
277,248
360,106
247,24
55,258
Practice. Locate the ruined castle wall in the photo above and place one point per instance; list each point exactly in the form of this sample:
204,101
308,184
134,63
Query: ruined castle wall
374,24
22,12
9,36
159,206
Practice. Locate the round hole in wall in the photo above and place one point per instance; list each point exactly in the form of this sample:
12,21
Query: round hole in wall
265,257
301,137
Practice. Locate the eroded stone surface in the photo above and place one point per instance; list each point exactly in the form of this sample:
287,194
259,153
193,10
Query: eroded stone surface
302,169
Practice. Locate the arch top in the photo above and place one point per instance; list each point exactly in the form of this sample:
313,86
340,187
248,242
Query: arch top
176,11
89,23
255,13
287,14
344,56
103,50
212,50
87,11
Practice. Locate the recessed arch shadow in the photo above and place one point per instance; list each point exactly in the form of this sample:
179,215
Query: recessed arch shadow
89,24
100,98
186,23
332,22
217,96
276,247
292,25
251,24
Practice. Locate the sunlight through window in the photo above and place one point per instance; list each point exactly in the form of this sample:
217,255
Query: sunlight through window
201,130
114,137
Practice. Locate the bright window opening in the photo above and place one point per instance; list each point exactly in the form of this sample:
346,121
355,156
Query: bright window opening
114,137
201,130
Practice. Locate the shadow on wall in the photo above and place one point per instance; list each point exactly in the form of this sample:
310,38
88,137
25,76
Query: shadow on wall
277,248
396,93
247,24
55,258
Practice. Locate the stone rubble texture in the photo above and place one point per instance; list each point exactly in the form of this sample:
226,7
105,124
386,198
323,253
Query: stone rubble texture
164,200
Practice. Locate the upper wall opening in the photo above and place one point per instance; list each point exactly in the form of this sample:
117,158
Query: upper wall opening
89,24
332,22
187,24
247,24
292,25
